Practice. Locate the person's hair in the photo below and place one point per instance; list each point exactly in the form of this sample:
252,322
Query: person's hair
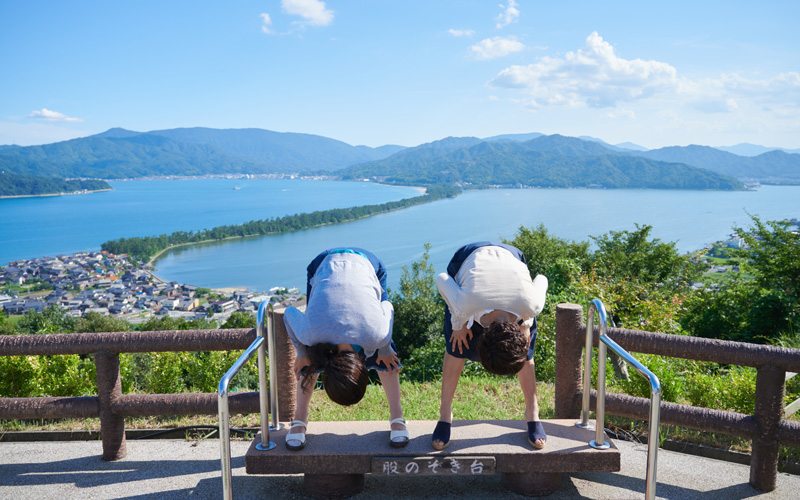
503,348
344,376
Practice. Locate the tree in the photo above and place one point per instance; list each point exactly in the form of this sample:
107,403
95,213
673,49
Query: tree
240,319
632,256
764,308
6,326
772,256
418,308
96,322
556,258
52,319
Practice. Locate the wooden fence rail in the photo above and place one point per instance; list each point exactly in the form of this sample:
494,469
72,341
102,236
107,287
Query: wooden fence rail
766,428
111,406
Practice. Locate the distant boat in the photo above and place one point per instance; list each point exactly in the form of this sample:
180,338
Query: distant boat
236,187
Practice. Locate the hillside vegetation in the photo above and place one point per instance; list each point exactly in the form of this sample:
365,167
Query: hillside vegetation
528,159
30,185
547,161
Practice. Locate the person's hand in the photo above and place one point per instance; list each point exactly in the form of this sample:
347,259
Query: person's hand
460,339
392,362
299,364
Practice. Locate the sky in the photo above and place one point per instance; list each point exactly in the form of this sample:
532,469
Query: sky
405,72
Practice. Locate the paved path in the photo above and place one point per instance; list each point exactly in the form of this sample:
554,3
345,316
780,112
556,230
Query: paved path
166,469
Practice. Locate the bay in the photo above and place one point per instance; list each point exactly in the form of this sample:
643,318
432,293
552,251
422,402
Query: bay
40,226
691,219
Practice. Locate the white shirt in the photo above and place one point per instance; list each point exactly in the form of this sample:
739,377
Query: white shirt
492,278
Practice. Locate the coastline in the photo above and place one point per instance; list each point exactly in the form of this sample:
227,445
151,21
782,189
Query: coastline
8,197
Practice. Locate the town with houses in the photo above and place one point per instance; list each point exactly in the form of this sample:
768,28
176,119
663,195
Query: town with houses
111,284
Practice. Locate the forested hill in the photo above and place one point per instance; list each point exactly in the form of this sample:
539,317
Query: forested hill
770,167
531,159
119,153
29,185
546,161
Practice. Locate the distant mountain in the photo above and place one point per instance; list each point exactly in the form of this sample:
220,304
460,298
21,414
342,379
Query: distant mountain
513,137
120,153
631,146
746,149
771,167
286,151
124,157
569,146
547,161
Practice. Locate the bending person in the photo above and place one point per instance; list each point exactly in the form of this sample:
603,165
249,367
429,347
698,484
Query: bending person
345,331
490,316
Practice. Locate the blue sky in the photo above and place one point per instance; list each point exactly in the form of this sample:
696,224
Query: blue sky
405,72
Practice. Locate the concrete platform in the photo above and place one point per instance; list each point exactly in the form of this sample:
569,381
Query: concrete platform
160,469
349,447
338,455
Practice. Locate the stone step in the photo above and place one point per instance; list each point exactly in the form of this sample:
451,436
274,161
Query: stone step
335,448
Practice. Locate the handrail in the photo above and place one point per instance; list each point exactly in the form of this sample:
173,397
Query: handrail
655,392
222,401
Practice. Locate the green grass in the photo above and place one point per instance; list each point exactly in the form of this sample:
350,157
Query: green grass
476,398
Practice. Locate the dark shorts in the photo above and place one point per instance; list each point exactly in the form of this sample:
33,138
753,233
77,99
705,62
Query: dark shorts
477,330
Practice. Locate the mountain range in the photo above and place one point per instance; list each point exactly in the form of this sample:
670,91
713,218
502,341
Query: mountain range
529,159
545,161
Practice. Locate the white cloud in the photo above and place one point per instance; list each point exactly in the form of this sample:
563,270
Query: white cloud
509,15
52,116
313,11
594,76
266,23
492,48
458,33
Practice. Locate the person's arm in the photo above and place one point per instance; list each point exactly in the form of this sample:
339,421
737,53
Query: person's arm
451,292
293,319
386,354
387,326
540,285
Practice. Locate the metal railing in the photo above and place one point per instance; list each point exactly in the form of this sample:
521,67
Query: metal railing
264,310
655,393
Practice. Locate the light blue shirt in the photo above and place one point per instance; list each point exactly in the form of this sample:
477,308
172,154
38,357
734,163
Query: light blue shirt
344,307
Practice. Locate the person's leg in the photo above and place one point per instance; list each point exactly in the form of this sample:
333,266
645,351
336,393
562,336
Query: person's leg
527,381
390,380
301,411
451,372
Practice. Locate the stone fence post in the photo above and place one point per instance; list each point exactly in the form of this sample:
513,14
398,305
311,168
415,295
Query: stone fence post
570,344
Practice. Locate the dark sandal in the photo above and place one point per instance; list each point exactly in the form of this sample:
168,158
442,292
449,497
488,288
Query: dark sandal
441,433
536,431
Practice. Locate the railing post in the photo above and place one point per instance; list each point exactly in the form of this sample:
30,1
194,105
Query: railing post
569,346
224,417
265,314
284,377
109,389
770,388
